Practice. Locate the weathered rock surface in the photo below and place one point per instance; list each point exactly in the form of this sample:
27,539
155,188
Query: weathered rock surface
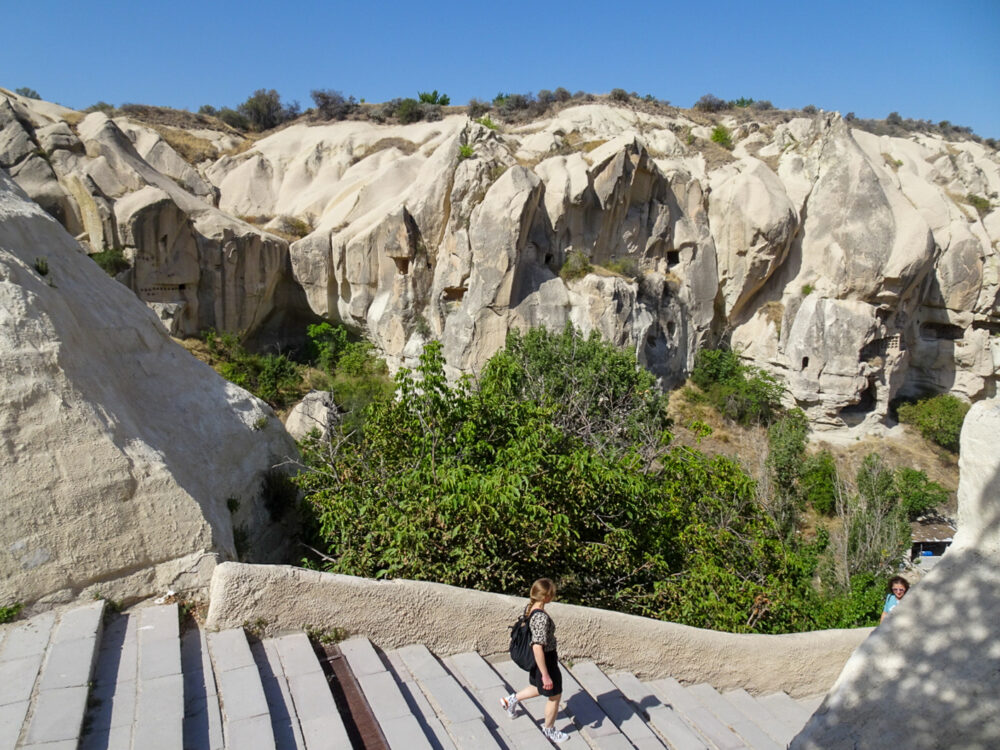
847,264
99,490
927,678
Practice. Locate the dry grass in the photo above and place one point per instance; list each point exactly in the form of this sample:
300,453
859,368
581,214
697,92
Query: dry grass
74,118
190,148
774,311
173,118
241,147
407,147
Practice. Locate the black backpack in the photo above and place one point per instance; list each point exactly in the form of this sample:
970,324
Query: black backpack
521,652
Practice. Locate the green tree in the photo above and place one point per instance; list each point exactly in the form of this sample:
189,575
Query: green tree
938,418
917,494
263,110
786,448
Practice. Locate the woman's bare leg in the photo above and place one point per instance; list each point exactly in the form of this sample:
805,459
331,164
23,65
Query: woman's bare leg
529,692
551,709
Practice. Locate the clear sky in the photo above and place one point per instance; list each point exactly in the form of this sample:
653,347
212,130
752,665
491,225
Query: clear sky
925,59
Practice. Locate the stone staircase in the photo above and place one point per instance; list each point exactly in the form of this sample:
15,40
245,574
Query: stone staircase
137,682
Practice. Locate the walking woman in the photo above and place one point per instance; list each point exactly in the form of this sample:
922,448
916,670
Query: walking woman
544,678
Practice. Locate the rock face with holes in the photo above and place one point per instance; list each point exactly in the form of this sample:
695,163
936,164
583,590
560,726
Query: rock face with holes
99,491
855,268
927,677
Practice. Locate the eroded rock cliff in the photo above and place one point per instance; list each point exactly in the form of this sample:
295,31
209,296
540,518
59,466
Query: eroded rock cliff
851,266
128,465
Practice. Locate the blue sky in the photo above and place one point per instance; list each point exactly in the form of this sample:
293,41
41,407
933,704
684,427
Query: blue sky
933,60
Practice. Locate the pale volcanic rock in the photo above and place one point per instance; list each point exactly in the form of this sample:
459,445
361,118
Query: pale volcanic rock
96,482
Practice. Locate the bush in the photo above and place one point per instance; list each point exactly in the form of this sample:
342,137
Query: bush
27,93
562,95
939,419
742,393
576,266
271,377
434,98
818,480
742,103
710,103
331,105
208,109
917,494
263,110
409,111
715,366
809,109
477,108
982,205
619,95
762,105
465,151
233,119
487,122
545,97
112,260
9,612
722,136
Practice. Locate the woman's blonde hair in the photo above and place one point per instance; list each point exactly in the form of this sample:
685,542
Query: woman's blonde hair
541,590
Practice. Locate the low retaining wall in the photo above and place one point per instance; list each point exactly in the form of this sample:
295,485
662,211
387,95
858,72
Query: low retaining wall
451,620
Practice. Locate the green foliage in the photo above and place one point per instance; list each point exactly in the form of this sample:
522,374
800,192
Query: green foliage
9,613
807,289
722,136
619,95
627,266
487,122
742,393
409,111
263,110
331,105
917,494
877,529
271,377
101,106
42,266
434,98
710,103
477,108
577,265
233,118
982,205
817,480
786,439
465,151
743,102
112,260
27,92
938,418
556,460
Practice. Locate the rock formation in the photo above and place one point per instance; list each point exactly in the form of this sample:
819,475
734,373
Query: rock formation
128,465
849,265
929,676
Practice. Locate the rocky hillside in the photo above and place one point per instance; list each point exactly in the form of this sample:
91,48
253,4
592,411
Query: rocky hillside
855,267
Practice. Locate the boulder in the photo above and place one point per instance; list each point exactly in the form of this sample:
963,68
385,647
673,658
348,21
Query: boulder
927,677
317,411
97,483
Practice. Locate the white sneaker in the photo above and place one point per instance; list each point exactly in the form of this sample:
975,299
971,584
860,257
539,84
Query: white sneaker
509,704
554,734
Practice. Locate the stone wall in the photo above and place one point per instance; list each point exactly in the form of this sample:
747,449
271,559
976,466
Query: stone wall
451,620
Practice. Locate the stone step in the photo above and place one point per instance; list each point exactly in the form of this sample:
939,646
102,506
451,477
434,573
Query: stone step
418,703
761,714
488,689
159,709
667,722
516,678
21,656
246,719
459,714
202,716
786,710
617,706
315,709
753,736
595,725
398,723
54,718
811,703
111,715
697,716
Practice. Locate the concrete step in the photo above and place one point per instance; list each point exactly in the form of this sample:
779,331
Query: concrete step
811,703
668,723
698,717
516,678
595,725
246,719
488,689
753,736
427,718
45,675
111,714
459,714
21,656
202,716
400,727
761,714
786,709
629,720
159,710
315,710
